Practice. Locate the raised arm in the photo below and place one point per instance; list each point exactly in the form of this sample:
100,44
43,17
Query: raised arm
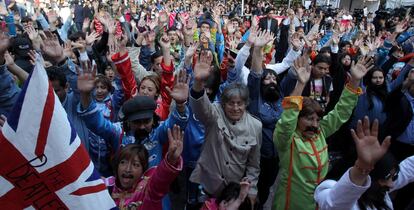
349,98
199,102
292,105
345,193
261,38
167,171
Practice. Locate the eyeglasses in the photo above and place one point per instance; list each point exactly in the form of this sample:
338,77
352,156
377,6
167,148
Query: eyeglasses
393,176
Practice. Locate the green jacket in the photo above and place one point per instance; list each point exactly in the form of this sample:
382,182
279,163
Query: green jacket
304,161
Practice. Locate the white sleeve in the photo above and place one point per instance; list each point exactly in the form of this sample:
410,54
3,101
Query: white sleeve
332,195
406,174
286,62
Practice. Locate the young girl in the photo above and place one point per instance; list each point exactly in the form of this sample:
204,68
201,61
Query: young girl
135,186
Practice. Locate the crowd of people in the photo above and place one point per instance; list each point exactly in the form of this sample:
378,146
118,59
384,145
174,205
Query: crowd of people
208,105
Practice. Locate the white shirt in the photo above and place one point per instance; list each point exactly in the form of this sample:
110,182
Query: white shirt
344,194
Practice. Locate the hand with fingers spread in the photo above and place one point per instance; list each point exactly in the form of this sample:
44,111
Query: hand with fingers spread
303,69
32,54
91,38
85,24
80,45
181,87
253,35
359,69
175,146
67,49
295,42
369,150
233,42
202,68
52,49
230,28
32,32
113,49
86,77
263,38
189,54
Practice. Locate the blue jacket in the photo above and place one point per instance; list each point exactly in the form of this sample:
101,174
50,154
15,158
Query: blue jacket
145,57
193,140
362,109
111,105
268,113
9,91
115,136
96,147
194,133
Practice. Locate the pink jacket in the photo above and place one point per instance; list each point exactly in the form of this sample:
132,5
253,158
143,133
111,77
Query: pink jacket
150,189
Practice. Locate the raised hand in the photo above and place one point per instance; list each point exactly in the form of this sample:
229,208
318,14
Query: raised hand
113,49
33,33
263,38
233,42
192,50
303,69
67,49
188,30
202,68
255,22
86,77
80,45
253,35
91,38
181,87
52,49
295,42
363,65
165,42
366,141
85,24
230,28
163,17
175,146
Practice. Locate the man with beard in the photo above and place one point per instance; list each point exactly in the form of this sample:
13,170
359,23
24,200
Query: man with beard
139,123
372,102
368,183
265,104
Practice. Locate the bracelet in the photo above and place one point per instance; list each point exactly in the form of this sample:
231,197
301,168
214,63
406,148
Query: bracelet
363,170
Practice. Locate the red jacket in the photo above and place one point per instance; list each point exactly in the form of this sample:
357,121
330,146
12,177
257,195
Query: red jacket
130,88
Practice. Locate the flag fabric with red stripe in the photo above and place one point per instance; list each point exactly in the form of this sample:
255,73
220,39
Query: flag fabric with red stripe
42,162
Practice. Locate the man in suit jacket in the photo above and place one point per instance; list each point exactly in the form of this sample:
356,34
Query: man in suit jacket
268,23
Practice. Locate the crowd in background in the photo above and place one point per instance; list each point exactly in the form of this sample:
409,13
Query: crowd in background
208,105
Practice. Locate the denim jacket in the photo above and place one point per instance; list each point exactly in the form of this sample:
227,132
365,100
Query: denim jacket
115,135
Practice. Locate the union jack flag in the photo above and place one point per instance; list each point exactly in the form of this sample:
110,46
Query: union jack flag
42,162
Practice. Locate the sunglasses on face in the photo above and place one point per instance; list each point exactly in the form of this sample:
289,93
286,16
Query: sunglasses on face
393,176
